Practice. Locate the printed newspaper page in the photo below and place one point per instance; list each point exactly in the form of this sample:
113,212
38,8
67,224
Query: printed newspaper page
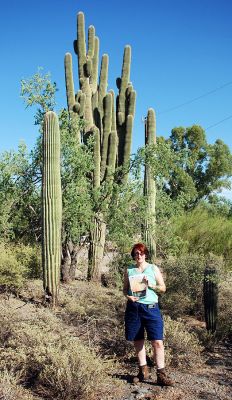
138,287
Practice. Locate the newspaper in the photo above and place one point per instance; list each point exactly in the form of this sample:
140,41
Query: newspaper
138,286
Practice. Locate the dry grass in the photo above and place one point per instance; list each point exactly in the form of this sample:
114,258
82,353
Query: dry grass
48,356
183,348
73,351
10,388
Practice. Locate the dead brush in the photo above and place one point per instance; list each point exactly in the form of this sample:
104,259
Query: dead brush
182,347
97,314
10,388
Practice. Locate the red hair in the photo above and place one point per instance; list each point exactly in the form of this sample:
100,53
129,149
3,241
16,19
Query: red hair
139,247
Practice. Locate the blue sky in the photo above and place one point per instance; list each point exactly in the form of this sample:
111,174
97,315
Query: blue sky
181,50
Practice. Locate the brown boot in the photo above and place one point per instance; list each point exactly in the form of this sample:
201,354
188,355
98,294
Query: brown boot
142,375
163,379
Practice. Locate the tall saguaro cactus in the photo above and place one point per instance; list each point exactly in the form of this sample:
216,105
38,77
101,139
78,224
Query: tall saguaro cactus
210,291
51,207
110,125
149,187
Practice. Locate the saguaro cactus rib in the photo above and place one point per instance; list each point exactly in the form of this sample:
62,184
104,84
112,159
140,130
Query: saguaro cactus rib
51,207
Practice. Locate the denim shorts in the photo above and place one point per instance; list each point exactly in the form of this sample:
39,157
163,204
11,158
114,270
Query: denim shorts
140,317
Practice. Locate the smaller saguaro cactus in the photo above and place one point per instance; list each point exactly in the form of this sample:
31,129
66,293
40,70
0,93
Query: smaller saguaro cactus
149,187
210,291
51,208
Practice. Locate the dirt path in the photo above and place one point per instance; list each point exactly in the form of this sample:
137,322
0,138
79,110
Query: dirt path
211,381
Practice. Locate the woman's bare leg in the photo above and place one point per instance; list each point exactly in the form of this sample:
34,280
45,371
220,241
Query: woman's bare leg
140,351
158,350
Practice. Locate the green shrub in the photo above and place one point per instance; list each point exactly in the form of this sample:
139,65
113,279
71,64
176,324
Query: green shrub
184,281
12,271
30,258
17,263
205,232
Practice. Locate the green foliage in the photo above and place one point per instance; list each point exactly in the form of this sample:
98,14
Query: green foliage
169,242
205,232
206,167
186,167
218,206
30,258
17,263
40,91
12,270
76,171
19,197
126,214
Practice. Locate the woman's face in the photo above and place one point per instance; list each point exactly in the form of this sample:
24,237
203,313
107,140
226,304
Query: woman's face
139,256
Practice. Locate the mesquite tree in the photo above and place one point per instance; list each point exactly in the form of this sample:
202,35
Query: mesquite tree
110,125
51,207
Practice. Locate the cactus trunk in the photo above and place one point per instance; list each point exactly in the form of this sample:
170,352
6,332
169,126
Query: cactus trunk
51,208
150,188
96,248
210,290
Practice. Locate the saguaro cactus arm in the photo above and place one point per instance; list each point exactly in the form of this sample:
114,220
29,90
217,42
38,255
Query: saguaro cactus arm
123,85
70,91
125,105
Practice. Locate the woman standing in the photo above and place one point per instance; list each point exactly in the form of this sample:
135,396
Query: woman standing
142,312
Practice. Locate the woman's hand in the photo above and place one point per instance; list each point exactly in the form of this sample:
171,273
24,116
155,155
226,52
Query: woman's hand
150,285
160,286
132,298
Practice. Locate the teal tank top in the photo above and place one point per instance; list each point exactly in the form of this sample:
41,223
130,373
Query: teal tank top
151,297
